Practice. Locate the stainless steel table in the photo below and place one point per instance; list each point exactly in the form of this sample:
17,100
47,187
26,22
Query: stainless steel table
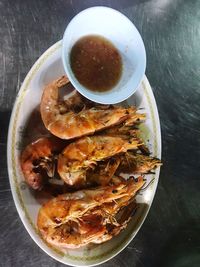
170,235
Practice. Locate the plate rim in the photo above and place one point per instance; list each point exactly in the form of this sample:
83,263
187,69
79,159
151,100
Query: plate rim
15,187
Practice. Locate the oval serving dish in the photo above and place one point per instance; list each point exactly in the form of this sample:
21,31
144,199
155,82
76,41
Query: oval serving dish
47,68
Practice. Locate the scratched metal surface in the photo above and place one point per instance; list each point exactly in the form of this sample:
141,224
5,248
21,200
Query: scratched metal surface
170,235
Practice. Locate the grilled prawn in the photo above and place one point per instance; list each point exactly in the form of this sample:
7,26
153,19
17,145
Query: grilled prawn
67,122
88,216
37,160
84,154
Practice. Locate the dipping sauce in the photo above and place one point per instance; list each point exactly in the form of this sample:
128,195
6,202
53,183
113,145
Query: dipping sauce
96,63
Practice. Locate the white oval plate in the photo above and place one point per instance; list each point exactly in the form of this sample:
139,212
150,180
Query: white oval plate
47,68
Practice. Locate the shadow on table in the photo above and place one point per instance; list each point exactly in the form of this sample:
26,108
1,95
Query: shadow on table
4,124
183,248
113,4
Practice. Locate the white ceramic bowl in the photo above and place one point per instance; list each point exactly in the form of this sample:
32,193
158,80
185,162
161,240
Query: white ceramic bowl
117,28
